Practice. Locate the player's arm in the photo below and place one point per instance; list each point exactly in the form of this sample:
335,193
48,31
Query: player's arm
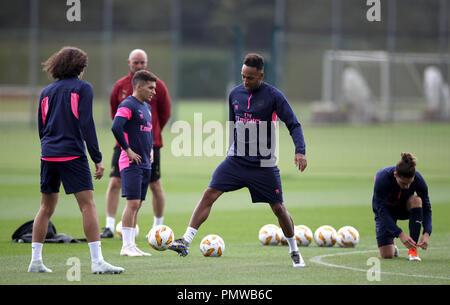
165,106
122,116
114,101
287,115
87,124
422,192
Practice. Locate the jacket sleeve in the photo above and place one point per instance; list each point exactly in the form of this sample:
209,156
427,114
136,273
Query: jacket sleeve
113,101
164,105
87,124
422,192
287,115
122,116
380,206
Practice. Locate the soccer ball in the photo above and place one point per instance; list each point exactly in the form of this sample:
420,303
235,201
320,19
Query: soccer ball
119,229
160,237
269,235
212,246
283,240
325,236
303,235
347,237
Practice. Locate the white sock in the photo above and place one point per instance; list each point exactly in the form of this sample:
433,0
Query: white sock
36,251
127,236
95,248
292,244
110,223
190,234
157,221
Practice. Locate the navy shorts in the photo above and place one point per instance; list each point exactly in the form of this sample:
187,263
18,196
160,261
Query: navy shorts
75,176
264,183
156,167
398,211
135,181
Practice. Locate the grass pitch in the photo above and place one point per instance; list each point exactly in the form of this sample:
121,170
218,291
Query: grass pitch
336,189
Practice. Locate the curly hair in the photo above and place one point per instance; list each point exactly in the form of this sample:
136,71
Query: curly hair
67,62
406,167
254,60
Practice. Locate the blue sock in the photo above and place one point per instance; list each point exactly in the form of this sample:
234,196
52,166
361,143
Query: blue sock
415,223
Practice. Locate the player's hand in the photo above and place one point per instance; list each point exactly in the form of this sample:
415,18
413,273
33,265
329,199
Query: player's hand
407,240
134,157
300,162
151,156
99,170
423,242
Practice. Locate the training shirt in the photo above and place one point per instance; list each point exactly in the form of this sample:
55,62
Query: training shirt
132,127
160,104
65,121
387,193
253,115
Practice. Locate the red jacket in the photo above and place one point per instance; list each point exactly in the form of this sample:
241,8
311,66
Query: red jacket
160,103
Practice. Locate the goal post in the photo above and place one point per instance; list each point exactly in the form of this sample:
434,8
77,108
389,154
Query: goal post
367,86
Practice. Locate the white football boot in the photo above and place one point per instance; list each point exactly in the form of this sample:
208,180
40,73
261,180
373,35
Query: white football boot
103,267
38,266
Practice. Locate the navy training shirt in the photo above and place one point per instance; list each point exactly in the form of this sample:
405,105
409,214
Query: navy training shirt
65,120
387,192
253,114
132,127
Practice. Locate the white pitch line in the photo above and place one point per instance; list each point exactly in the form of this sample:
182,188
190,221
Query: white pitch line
318,260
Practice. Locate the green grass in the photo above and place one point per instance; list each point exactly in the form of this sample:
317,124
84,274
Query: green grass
335,189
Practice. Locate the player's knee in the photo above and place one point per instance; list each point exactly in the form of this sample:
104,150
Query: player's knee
414,202
278,209
115,183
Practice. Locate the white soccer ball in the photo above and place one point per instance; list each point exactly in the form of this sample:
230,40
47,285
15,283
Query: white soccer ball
212,246
303,235
119,229
347,237
283,240
269,235
160,237
325,236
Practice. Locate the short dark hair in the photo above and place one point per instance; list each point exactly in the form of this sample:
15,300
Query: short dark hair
143,76
254,60
67,62
406,167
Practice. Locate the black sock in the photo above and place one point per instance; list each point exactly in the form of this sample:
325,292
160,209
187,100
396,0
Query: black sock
415,223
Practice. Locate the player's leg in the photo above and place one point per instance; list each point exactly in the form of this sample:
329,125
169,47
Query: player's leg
91,228
414,206
387,251
158,201
129,218
112,195
40,227
199,216
203,208
287,226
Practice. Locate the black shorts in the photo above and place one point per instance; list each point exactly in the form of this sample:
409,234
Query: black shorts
264,183
156,168
135,181
398,211
75,176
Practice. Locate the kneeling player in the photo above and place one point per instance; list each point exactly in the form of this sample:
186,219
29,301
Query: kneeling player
400,192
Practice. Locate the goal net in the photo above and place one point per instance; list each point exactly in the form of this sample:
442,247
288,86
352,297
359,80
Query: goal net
377,86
